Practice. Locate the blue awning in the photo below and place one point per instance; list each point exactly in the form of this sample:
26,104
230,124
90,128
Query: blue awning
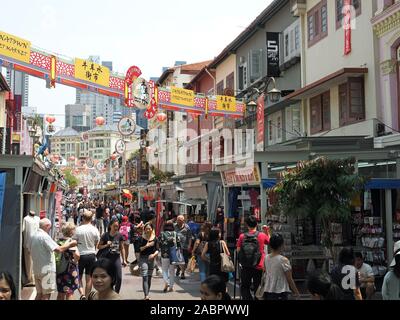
383,184
269,183
372,184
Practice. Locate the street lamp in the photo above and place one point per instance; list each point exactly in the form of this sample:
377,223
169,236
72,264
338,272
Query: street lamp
274,95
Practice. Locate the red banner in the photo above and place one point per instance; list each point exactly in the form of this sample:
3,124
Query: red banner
347,26
260,122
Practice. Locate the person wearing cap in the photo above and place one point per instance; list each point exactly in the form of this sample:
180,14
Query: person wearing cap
30,226
391,282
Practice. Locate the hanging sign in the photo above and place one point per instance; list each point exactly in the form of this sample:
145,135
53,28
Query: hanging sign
126,126
120,146
347,26
14,47
260,122
273,54
182,97
226,103
92,72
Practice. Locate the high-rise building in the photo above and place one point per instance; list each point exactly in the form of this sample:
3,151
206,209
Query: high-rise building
78,117
19,84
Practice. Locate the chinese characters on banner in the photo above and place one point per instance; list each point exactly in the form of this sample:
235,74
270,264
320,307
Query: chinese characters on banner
14,47
226,103
347,26
260,122
273,54
92,72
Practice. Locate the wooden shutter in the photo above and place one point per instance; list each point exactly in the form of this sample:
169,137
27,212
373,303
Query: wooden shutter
315,114
356,99
220,88
343,104
230,81
326,111
241,78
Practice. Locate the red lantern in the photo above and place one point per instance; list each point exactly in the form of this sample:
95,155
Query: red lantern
50,119
161,117
113,156
72,158
100,121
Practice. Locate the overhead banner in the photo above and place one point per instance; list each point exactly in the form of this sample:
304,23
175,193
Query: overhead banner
260,122
14,47
347,26
273,54
182,97
2,191
241,176
225,103
92,72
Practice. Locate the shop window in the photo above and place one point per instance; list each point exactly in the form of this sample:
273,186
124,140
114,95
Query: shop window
293,122
339,11
351,101
320,113
317,22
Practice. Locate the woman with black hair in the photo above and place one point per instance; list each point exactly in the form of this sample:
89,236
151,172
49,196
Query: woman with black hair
345,275
278,272
214,247
391,282
104,278
320,285
7,287
214,288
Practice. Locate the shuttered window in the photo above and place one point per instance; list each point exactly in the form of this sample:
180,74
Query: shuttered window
351,101
320,111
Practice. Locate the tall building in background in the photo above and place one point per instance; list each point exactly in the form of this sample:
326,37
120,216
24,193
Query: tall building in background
19,84
78,117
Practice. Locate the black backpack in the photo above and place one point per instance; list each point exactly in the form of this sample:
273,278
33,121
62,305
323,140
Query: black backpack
249,254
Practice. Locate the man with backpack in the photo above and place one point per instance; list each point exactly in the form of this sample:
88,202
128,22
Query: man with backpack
251,254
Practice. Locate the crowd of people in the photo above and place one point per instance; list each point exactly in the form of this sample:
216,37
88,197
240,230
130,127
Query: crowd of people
96,238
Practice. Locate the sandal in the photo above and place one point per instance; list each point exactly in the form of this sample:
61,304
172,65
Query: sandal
83,297
165,289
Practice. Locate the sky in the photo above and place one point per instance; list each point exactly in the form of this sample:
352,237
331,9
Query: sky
149,34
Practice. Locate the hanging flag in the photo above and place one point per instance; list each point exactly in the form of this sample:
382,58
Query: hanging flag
347,26
260,122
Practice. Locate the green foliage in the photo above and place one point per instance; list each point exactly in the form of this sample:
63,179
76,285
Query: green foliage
70,179
320,189
159,175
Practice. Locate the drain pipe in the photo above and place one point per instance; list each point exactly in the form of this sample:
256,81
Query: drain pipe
215,80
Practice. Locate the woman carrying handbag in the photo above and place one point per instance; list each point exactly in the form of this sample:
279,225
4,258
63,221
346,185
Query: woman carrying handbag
214,247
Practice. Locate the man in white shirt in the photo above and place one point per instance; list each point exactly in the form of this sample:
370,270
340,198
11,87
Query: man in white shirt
367,277
30,226
87,237
44,262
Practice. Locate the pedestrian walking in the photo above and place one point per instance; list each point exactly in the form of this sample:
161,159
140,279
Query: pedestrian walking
367,277
44,264
106,218
212,253
104,277
278,282
29,227
251,255
111,247
125,229
7,287
198,247
185,237
100,218
148,246
346,269
214,288
320,285
168,240
67,272
88,238
391,282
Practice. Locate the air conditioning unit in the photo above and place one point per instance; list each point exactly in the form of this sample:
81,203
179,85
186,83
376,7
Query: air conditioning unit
242,60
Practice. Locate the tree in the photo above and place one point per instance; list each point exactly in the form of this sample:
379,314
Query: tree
70,179
159,175
321,189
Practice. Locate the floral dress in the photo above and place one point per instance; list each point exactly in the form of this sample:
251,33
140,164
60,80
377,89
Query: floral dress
68,281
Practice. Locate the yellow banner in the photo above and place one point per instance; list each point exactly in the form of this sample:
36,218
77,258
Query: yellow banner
92,72
182,96
14,47
225,103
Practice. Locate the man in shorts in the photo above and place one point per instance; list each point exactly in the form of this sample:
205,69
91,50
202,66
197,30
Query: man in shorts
88,237
44,262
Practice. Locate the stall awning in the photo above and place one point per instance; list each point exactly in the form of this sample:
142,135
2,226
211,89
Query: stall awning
383,184
269,183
